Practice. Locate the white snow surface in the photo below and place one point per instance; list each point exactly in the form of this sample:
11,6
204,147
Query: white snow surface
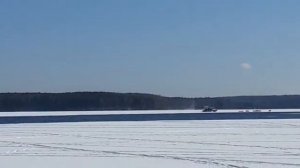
60,113
152,144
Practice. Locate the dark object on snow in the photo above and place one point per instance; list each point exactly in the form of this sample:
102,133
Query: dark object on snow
209,109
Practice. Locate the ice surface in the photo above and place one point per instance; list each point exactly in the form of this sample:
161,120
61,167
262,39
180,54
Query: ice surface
159,144
59,113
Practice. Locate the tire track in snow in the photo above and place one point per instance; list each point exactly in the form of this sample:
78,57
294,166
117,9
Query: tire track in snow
198,160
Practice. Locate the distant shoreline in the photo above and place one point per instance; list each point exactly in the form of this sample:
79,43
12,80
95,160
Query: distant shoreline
110,101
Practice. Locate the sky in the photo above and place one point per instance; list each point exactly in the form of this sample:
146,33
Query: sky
189,48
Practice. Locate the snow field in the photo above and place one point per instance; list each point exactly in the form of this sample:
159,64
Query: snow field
159,144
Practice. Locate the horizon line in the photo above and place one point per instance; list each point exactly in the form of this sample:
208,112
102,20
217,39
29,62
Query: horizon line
263,95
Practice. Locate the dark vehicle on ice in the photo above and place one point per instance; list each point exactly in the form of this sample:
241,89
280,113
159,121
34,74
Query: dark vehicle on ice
209,109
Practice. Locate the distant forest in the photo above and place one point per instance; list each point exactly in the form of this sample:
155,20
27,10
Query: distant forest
86,101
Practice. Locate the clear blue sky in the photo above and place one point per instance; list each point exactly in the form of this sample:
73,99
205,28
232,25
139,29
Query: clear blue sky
169,47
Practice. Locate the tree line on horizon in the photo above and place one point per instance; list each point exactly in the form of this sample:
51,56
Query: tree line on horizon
88,101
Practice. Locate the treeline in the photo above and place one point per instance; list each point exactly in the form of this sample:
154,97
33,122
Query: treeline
80,101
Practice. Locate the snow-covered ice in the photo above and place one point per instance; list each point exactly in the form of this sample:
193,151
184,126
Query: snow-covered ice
60,113
159,144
